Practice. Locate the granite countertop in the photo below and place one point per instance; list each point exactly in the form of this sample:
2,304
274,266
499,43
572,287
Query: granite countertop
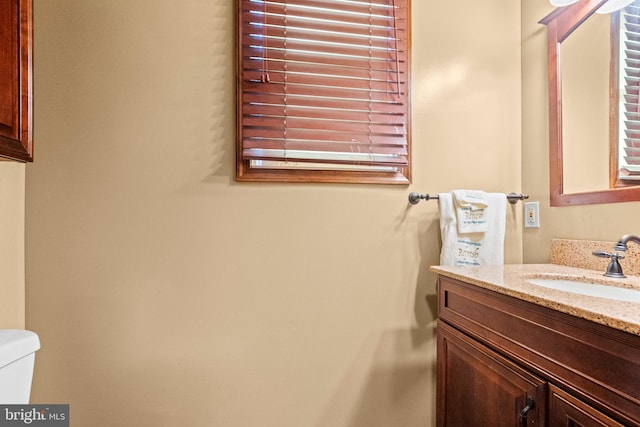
511,279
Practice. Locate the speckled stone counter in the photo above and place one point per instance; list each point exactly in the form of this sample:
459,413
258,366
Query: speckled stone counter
579,253
512,280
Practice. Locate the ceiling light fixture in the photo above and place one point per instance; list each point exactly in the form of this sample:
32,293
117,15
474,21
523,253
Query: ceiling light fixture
613,5
609,7
562,3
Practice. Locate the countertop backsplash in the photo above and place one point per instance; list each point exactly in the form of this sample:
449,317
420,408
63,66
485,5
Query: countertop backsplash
578,253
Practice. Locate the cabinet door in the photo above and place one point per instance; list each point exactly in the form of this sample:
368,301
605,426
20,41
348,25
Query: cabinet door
16,79
567,411
478,387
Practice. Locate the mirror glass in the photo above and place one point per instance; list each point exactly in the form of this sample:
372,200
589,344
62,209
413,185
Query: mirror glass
585,106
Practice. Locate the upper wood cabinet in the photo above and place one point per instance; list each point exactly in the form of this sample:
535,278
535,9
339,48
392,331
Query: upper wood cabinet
16,80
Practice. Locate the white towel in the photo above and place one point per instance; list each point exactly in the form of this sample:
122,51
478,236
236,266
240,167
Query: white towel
473,248
471,210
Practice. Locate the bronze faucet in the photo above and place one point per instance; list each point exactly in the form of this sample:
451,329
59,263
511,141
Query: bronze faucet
622,243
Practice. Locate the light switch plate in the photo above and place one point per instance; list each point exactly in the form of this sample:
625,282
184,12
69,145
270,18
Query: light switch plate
532,215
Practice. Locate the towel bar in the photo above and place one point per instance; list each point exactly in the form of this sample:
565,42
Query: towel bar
414,197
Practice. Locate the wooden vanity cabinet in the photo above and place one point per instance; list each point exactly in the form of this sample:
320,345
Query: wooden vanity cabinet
505,361
482,387
567,411
16,80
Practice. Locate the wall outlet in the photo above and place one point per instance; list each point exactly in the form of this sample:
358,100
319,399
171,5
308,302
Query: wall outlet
532,215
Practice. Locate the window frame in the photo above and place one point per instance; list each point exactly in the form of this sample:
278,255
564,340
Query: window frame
619,178
244,171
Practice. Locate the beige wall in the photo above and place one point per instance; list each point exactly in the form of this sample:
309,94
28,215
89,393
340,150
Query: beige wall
167,294
12,190
593,222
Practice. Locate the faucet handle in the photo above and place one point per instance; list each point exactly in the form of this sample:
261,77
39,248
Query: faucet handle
603,254
614,269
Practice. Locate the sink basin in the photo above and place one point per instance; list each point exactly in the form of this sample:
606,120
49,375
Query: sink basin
589,289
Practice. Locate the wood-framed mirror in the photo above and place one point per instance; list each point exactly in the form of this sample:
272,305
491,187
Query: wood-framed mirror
573,136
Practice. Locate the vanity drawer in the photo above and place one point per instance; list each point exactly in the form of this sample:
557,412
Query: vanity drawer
598,364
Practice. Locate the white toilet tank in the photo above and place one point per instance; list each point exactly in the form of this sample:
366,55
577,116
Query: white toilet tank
17,356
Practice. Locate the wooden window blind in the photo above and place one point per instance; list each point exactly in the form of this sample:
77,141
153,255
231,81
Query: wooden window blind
629,83
323,91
